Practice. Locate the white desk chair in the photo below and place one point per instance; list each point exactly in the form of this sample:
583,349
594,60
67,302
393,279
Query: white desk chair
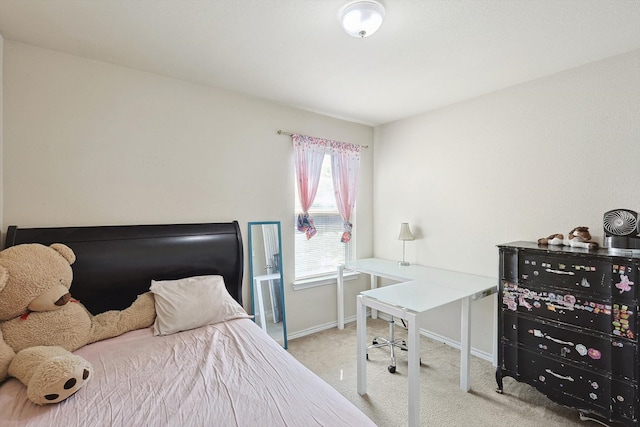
390,342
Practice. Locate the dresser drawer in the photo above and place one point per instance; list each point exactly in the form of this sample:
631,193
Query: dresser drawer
605,353
594,276
616,318
573,386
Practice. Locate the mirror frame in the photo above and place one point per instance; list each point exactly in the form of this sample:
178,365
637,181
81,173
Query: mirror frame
251,275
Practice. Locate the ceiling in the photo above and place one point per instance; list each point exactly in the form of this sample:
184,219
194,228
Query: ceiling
427,54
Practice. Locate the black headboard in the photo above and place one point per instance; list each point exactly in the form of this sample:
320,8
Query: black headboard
115,264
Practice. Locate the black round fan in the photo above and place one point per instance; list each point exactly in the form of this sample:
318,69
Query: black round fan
620,222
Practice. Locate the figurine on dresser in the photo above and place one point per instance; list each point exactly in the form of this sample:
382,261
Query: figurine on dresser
579,237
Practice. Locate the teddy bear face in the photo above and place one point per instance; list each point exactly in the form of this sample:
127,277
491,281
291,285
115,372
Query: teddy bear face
580,233
34,277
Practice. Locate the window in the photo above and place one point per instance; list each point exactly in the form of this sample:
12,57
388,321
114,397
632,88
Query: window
321,254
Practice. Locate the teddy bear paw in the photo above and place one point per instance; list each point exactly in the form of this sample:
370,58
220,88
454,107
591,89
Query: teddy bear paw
58,378
142,312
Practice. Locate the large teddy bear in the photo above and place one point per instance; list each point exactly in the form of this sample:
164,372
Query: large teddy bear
40,324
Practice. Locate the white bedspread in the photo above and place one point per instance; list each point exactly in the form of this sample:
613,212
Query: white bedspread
228,374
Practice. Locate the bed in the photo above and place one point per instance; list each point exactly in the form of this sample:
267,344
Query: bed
228,373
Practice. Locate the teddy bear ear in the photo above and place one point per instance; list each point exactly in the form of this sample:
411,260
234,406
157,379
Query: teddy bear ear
65,251
4,276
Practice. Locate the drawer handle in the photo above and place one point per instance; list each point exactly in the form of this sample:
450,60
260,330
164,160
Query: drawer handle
570,273
559,341
562,377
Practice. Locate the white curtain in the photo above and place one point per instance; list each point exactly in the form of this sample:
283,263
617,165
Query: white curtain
309,154
345,163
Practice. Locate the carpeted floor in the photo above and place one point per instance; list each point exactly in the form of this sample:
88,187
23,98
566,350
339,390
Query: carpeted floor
331,354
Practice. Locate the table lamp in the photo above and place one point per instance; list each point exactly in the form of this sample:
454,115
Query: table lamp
405,235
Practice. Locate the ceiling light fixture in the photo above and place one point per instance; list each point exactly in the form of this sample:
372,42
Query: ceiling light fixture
361,18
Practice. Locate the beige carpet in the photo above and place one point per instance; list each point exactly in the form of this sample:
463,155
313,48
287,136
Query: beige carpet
331,354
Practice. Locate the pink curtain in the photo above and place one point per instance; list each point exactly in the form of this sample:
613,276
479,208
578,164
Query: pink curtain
308,155
345,162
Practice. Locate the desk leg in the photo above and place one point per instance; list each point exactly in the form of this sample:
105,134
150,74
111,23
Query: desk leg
361,345
374,284
258,294
414,369
273,301
465,344
340,299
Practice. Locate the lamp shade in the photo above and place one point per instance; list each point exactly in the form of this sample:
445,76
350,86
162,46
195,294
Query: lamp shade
405,232
361,18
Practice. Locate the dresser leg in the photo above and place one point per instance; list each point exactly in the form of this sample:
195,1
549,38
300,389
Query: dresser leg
499,379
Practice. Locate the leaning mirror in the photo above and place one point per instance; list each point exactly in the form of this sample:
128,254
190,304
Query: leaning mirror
267,290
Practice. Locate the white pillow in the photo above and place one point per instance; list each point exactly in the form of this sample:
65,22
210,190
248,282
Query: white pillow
191,303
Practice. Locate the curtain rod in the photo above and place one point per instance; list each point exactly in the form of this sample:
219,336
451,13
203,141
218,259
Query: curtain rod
282,132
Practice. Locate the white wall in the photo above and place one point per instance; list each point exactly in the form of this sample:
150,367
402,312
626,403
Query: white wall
518,164
89,143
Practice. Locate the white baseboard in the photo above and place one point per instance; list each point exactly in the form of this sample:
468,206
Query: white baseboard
318,328
436,337
455,344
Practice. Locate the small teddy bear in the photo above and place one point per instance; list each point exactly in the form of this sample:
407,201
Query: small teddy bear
41,324
579,237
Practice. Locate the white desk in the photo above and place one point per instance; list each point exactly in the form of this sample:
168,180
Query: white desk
388,269
426,288
375,267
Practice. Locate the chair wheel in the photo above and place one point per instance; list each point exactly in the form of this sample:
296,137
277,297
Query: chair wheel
367,356
374,342
392,369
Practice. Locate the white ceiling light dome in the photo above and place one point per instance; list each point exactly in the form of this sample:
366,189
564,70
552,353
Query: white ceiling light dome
361,18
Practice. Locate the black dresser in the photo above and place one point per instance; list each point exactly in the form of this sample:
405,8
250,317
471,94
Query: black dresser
568,325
